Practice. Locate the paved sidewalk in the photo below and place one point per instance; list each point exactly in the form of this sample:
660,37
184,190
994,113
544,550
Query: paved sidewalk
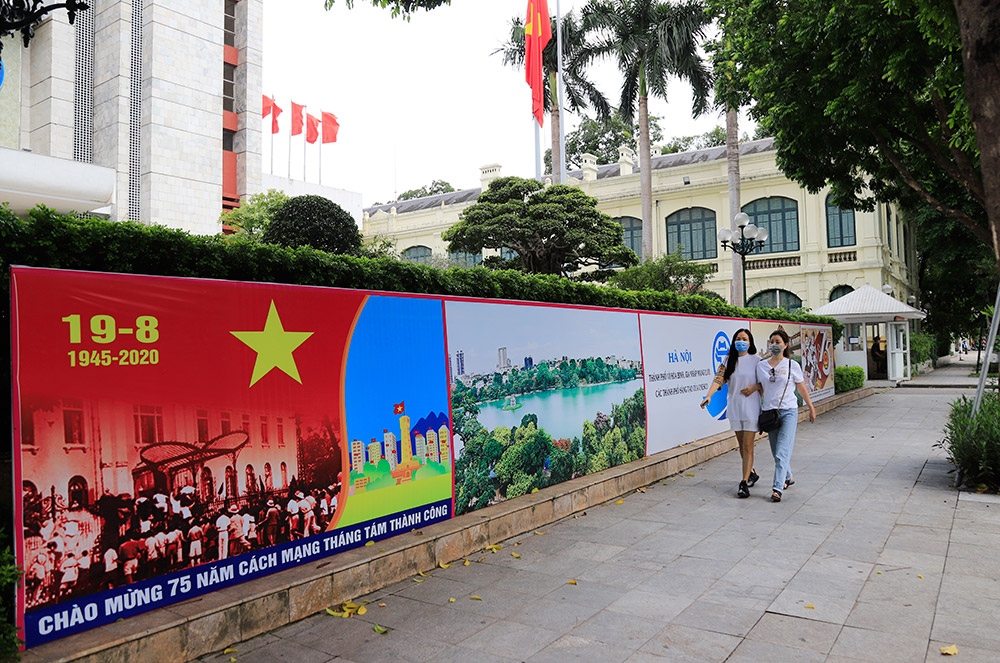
871,556
955,371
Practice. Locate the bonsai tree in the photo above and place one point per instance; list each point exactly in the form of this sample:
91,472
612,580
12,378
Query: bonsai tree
313,221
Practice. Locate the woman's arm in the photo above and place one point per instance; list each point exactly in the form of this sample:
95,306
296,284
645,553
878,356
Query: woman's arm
804,392
716,385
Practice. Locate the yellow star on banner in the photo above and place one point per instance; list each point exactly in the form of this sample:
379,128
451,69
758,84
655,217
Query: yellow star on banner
274,347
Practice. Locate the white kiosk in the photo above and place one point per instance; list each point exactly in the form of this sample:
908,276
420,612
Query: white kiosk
869,315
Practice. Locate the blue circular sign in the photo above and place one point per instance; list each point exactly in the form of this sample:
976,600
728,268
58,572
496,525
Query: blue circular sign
720,399
1,73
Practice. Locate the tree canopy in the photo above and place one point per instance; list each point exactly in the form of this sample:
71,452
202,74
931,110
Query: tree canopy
868,98
670,272
314,221
602,138
552,230
399,7
432,189
252,217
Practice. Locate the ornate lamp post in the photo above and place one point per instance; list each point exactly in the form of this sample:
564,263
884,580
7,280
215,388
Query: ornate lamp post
747,239
24,15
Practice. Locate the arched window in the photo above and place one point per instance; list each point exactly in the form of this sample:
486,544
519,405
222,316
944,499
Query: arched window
420,254
781,218
692,230
284,475
782,299
839,226
207,485
232,489
251,479
268,479
78,493
463,259
840,291
631,233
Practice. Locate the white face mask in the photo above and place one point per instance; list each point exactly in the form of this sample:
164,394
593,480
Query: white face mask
776,349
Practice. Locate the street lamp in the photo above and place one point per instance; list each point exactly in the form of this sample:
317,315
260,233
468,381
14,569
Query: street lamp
24,15
746,240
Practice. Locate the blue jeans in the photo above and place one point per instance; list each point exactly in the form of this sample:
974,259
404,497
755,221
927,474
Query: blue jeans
782,442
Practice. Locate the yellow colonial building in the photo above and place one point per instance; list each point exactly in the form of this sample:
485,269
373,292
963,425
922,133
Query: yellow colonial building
815,251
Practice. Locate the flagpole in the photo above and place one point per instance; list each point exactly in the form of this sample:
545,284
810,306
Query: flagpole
272,139
321,147
538,149
559,86
305,132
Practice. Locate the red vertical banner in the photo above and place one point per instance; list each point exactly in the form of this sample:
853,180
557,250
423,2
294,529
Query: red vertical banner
330,128
297,121
537,33
312,128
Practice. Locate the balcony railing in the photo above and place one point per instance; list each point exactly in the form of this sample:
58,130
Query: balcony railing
771,263
842,256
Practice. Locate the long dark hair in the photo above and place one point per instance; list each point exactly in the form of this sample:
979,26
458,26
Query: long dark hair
733,358
784,337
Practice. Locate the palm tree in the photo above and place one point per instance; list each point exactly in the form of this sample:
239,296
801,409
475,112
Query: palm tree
580,92
651,42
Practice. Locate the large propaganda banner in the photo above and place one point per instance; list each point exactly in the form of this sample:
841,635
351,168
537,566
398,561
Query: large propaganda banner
178,436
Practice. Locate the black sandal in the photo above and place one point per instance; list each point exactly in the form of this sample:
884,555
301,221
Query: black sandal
775,495
752,479
744,490
790,482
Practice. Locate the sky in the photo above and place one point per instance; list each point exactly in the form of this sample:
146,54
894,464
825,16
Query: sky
416,101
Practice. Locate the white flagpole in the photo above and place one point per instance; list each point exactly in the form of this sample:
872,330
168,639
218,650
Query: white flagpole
559,85
272,135
305,132
321,147
538,149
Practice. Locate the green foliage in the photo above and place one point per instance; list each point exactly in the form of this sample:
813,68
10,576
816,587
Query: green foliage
402,8
313,221
432,189
868,98
922,348
602,139
553,230
973,443
10,577
252,217
714,138
848,378
668,272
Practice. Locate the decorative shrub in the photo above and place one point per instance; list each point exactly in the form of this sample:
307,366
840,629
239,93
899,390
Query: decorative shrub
313,221
848,378
922,348
973,444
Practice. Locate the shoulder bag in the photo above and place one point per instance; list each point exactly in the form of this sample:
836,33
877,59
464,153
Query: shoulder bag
768,421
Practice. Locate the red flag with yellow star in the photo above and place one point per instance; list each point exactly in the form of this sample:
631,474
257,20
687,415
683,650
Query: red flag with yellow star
537,33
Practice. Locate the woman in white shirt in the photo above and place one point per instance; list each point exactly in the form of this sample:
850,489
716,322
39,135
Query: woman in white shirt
776,374
743,403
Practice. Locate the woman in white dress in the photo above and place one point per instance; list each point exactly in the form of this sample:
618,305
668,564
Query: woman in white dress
743,404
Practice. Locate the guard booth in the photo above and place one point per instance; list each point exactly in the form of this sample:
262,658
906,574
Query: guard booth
876,333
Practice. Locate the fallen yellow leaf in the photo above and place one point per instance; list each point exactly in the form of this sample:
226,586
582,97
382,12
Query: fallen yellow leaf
537,533
515,555
480,559
571,582
451,600
381,630
810,606
381,605
494,548
230,650
423,575
476,598
689,474
466,563
443,565
619,501
362,610
334,613
232,659
920,575
576,516
418,580
878,573
640,490
950,650
534,490
517,544
349,605
370,543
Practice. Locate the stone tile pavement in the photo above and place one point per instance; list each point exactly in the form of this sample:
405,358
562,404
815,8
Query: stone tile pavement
871,556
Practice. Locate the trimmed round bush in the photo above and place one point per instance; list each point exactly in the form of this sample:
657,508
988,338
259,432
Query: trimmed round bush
313,221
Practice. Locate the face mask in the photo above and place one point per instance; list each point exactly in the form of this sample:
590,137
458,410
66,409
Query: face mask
776,350
742,346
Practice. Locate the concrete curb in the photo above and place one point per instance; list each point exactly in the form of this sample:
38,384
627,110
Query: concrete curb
185,631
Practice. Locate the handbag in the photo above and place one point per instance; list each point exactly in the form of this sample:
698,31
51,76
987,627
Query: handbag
769,421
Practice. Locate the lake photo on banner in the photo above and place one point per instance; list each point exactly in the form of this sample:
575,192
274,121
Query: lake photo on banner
560,412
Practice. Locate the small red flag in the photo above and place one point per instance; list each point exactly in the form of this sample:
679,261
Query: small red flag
297,118
266,104
537,33
398,408
312,128
330,128
275,112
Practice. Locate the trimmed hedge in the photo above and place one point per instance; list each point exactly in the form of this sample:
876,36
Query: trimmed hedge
848,378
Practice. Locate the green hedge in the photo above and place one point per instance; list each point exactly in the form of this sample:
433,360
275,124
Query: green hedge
922,348
848,378
973,444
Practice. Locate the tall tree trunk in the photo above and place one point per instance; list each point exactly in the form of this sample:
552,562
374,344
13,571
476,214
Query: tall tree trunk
733,170
555,122
979,24
646,178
